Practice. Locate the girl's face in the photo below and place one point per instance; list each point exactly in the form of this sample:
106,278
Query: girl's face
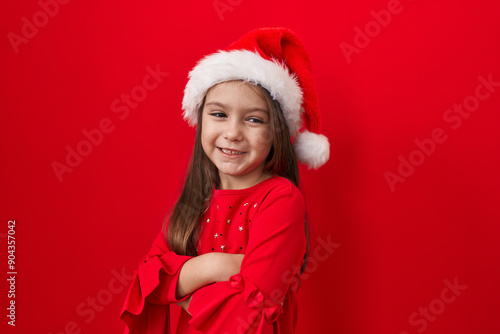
235,133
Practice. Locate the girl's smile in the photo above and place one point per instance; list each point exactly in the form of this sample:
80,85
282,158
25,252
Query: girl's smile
230,153
236,134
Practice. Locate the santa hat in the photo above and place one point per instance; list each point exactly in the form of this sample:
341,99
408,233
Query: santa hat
275,59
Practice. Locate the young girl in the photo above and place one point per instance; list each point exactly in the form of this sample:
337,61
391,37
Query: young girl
234,245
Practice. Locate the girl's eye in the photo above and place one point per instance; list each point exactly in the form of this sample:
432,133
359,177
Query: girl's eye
218,114
255,120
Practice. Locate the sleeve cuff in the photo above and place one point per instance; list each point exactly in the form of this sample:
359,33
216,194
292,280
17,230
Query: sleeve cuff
153,288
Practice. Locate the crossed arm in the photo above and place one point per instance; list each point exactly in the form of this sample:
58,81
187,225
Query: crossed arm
203,270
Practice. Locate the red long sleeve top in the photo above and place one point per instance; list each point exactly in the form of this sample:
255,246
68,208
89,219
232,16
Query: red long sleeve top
266,223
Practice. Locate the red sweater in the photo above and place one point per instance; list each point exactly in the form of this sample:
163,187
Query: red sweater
266,223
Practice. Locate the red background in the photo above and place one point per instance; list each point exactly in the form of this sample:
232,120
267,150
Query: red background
394,249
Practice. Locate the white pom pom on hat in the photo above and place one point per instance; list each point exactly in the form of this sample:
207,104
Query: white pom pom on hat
312,149
276,59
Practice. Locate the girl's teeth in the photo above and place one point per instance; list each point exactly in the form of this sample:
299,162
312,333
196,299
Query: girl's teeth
230,152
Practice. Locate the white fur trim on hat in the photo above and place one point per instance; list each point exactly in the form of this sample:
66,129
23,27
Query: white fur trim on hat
312,149
249,67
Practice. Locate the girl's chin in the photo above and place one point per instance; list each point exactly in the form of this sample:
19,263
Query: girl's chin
237,173
231,173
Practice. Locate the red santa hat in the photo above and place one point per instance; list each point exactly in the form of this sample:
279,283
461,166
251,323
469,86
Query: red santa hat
276,59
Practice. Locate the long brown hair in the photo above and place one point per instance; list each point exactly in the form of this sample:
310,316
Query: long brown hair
182,231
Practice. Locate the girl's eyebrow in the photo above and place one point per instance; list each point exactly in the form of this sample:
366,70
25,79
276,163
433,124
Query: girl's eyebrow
221,105
218,104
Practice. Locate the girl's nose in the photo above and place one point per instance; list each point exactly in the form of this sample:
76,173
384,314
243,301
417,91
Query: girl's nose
233,131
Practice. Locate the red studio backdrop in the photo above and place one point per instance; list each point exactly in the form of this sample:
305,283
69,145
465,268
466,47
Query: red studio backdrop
404,217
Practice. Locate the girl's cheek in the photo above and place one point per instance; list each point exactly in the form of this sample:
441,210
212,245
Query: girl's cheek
206,130
266,137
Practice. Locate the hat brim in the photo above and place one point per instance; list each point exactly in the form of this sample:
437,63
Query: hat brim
250,67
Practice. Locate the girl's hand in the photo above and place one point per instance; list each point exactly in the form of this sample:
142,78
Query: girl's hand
185,304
